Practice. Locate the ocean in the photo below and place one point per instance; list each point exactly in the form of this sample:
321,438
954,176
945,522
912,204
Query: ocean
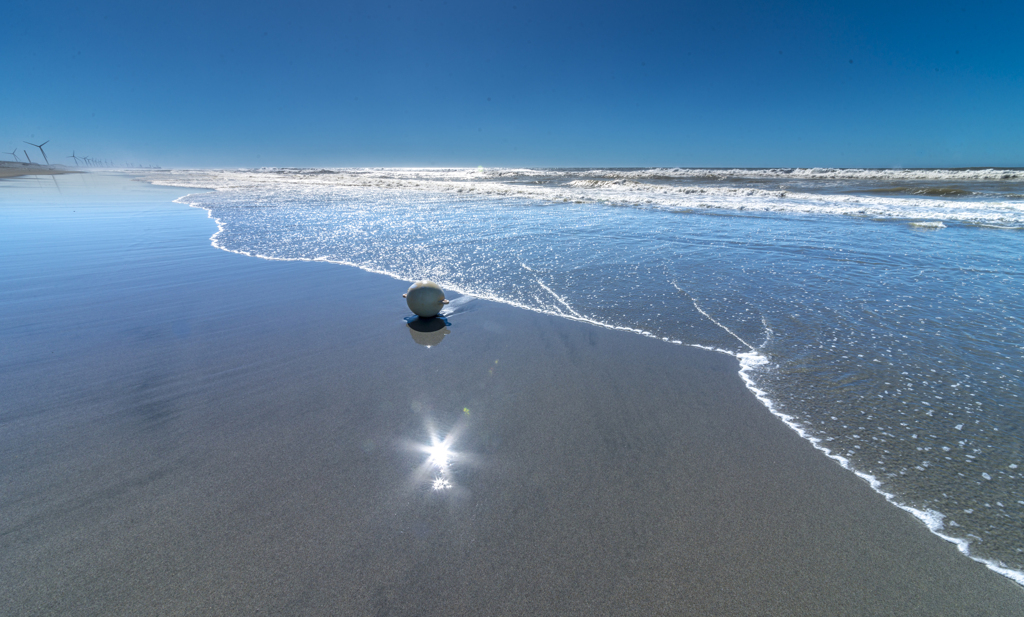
878,312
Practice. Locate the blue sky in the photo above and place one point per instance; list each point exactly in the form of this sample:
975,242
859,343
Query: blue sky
520,83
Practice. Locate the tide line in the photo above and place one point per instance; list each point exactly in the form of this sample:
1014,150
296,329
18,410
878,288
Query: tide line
560,300
712,319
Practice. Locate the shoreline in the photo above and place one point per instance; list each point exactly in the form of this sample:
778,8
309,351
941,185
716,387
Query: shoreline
213,432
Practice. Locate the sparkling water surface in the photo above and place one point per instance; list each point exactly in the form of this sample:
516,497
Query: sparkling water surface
878,312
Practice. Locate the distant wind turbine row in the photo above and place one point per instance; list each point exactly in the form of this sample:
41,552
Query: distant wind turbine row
79,160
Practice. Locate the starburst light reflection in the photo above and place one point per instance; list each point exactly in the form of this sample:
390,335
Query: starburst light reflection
439,455
439,458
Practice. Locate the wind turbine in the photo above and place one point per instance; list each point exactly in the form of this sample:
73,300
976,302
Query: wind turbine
27,156
74,157
40,146
14,153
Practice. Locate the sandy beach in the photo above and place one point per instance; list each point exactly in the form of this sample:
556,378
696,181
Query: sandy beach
14,170
191,431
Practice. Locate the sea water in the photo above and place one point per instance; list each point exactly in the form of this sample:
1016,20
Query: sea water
880,313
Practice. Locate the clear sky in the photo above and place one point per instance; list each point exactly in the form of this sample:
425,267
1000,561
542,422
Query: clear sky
517,83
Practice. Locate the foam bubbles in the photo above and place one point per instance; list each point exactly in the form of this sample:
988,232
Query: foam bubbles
914,195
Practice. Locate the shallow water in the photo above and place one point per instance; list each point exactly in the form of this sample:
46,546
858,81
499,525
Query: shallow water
877,311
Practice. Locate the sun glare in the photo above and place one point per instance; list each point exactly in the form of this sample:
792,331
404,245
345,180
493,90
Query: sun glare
439,455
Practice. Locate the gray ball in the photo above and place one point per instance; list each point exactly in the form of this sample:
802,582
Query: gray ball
425,298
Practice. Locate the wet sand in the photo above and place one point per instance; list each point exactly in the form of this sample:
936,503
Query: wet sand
188,431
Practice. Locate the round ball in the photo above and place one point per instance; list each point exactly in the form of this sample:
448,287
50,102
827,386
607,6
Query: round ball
425,299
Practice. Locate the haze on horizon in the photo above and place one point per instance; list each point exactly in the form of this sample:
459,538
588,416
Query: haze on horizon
519,83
